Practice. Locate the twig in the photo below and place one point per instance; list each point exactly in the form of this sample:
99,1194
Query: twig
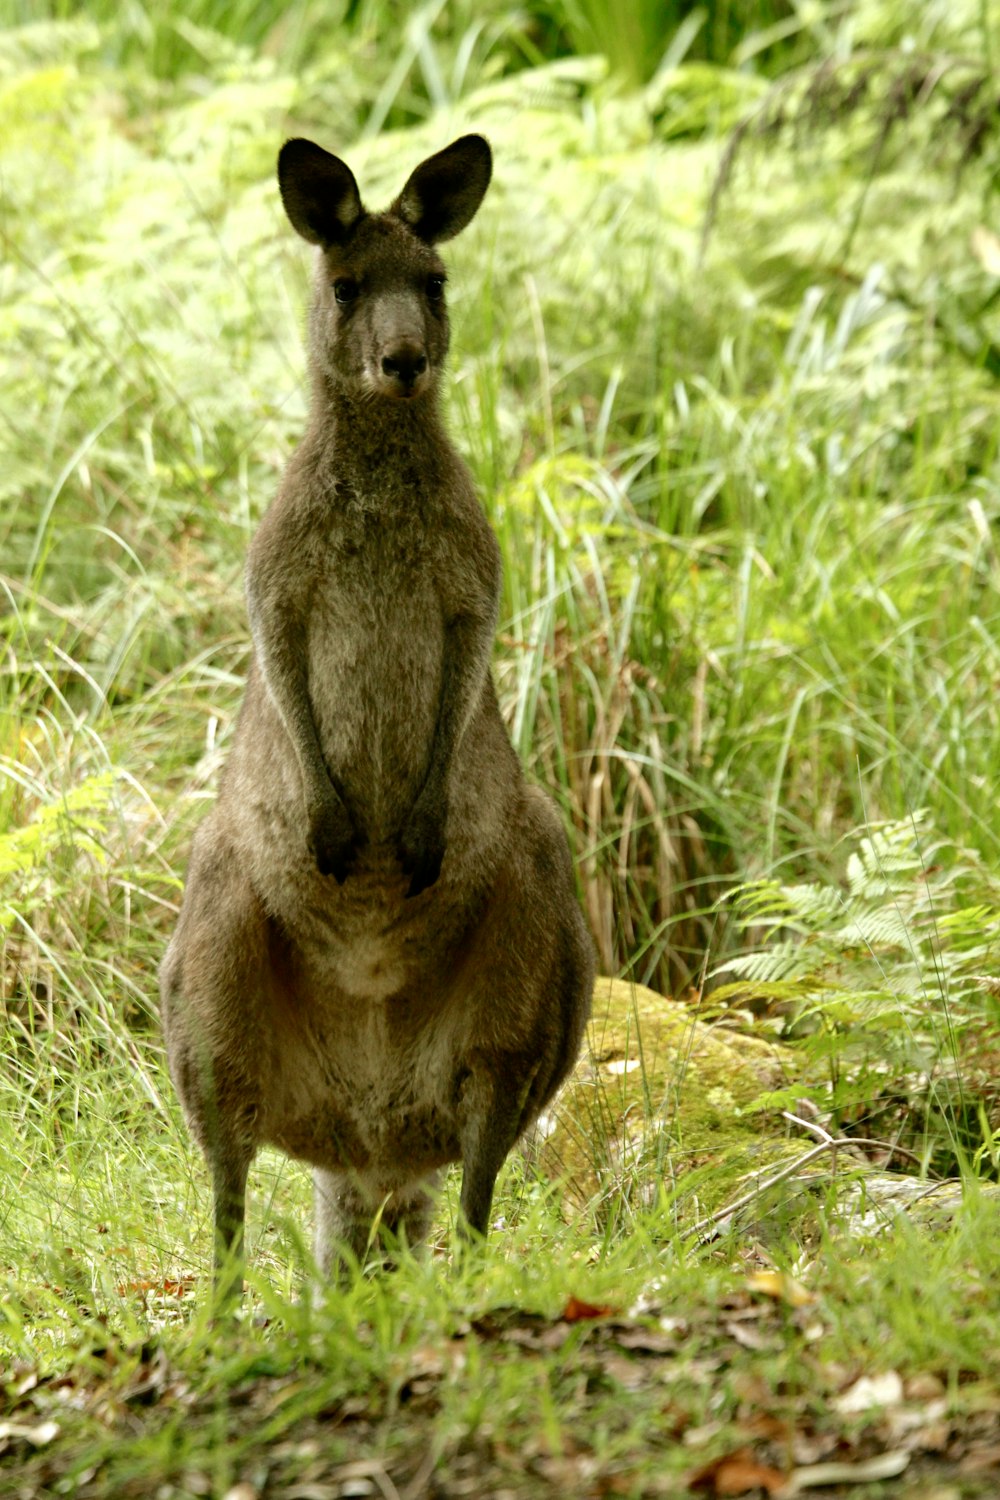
417,1486
762,1187
854,1140
828,1142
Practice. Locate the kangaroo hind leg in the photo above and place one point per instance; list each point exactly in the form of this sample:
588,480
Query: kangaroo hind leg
214,984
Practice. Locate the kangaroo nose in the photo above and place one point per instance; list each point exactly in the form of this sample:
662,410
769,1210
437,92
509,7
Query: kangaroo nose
404,365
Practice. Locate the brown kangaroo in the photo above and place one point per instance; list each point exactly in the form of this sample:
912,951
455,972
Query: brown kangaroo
380,965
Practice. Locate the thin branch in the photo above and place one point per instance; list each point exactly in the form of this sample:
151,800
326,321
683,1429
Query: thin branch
828,1142
855,1140
715,1219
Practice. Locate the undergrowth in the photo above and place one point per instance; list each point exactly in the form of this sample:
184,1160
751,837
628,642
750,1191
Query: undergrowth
724,370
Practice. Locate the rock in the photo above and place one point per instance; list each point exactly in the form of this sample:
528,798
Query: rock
662,1103
657,1094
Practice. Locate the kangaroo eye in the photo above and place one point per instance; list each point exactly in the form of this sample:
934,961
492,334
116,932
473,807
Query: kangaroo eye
345,289
435,288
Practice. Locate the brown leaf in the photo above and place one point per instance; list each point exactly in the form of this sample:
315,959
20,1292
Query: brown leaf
924,1387
980,1459
576,1311
167,1286
737,1473
628,1373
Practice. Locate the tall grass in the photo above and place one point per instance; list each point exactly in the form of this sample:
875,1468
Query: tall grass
747,495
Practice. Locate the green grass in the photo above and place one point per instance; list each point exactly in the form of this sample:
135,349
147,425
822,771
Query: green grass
731,404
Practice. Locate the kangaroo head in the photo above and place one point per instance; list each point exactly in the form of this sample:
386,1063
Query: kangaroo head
379,321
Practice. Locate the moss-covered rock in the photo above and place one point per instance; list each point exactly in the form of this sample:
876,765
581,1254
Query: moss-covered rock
658,1094
663,1101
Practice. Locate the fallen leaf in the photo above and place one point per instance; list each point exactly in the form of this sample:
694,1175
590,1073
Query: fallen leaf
924,1387
700,1437
933,1438
576,1311
764,1424
980,1459
37,1434
811,1447
738,1473
646,1340
905,1421
749,1337
780,1286
628,1373
166,1286
869,1391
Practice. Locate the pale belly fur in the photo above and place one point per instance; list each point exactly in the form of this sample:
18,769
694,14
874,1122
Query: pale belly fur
366,1085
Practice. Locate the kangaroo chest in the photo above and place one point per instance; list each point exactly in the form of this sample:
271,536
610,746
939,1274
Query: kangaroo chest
376,638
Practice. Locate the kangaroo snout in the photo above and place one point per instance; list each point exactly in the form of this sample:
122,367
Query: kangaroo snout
404,371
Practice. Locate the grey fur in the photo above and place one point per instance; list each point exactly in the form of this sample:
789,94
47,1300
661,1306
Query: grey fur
380,965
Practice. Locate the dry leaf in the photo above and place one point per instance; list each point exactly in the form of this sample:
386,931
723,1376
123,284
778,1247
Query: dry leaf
903,1421
980,1459
37,1434
645,1340
925,1387
168,1286
576,1311
764,1424
749,1337
628,1373
869,1391
934,1438
811,1447
738,1473
780,1286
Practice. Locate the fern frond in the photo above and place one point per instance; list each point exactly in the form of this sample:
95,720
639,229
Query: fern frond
784,962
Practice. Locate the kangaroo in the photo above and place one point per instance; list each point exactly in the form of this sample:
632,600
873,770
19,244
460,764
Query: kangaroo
380,965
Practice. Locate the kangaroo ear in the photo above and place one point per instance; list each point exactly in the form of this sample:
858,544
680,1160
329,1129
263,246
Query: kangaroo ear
444,192
319,192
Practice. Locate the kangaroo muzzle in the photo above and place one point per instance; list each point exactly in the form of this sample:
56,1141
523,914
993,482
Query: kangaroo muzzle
404,371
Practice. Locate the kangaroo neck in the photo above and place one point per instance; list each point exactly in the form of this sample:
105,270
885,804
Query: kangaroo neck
375,443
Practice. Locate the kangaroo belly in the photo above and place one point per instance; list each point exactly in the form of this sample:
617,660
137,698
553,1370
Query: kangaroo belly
365,1088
